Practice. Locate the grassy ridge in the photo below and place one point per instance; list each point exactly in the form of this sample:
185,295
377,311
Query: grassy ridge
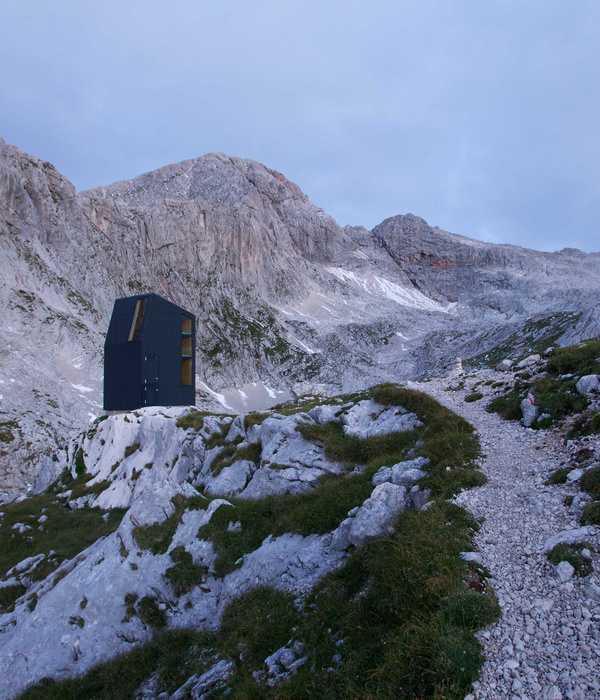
396,620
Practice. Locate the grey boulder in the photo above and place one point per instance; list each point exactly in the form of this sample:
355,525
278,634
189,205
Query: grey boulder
587,384
530,411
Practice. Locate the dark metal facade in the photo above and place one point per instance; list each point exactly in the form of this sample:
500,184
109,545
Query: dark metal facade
149,354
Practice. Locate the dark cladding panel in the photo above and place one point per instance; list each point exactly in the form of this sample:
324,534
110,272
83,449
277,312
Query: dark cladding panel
121,320
122,377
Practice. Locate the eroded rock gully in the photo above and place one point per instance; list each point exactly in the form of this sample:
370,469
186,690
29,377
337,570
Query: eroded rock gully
547,642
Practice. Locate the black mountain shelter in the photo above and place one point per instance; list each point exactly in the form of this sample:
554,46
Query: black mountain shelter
149,354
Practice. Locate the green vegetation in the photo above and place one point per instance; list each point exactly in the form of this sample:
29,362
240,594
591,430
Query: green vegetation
79,463
509,404
158,536
572,554
445,439
555,393
193,419
63,535
475,396
396,620
120,678
150,614
591,514
6,431
131,449
318,511
587,424
534,336
184,575
558,477
9,595
590,482
579,359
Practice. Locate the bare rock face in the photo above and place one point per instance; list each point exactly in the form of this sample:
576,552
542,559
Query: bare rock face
285,297
486,276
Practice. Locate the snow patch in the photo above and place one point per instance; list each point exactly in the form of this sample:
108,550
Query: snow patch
82,388
378,286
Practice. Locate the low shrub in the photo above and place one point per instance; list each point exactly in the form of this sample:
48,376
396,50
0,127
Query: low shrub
475,396
558,477
591,514
150,614
572,554
508,405
590,482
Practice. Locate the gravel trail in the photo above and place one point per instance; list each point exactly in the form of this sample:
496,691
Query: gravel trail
546,644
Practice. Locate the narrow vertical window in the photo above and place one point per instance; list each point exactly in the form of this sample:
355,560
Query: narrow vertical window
138,319
187,351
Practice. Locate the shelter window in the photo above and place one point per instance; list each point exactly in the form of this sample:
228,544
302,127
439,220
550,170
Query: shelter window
186,351
138,319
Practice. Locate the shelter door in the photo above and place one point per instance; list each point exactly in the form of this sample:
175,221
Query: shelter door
150,381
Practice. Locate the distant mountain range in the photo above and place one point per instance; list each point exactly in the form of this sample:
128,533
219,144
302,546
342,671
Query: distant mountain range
288,302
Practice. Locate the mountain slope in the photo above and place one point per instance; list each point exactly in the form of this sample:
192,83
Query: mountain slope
285,297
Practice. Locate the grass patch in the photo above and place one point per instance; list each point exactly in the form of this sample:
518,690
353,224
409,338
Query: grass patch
223,459
559,397
184,575
555,393
340,447
475,396
252,453
79,463
591,514
587,424
255,418
120,678
318,511
193,420
579,359
590,482
446,440
9,595
509,404
150,614
558,477
158,536
404,609
572,554
131,449
66,532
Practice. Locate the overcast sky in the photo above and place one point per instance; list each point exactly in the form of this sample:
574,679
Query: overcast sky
481,116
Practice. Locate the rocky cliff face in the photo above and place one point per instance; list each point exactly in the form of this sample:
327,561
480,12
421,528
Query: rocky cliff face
285,297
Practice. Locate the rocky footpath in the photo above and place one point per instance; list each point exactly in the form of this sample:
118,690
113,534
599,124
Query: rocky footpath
547,642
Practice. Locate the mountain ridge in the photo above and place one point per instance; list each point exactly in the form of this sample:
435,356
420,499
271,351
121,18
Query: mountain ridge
288,301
